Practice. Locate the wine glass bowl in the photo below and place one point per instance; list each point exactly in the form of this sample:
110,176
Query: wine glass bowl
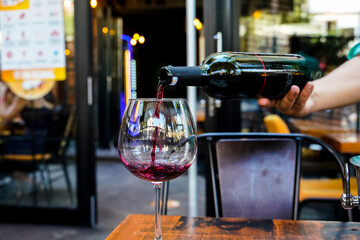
157,148
157,141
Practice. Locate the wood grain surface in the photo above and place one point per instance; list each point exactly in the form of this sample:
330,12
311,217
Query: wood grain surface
136,227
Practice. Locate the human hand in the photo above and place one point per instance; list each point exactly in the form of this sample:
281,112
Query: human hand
294,103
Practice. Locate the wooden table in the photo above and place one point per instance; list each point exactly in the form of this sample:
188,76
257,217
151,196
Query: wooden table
346,143
136,227
316,127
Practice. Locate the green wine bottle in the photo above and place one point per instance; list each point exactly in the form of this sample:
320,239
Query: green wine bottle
229,75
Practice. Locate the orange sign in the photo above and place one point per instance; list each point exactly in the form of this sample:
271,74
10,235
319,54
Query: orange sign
34,74
14,4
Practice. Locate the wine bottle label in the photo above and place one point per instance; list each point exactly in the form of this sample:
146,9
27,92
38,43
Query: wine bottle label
289,79
288,83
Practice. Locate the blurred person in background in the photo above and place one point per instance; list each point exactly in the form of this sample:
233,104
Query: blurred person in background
37,116
6,98
339,88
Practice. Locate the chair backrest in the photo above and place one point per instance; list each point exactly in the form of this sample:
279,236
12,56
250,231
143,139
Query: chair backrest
67,130
275,124
254,175
257,177
62,125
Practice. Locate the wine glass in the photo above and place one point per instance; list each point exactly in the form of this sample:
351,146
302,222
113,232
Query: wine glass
157,142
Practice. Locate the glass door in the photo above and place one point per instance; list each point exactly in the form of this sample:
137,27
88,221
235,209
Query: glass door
47,153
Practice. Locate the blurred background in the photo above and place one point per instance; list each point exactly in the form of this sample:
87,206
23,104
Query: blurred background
113,50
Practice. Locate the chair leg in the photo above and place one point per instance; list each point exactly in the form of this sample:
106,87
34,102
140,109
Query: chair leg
35,190
49,180
349,215
67,179
45,184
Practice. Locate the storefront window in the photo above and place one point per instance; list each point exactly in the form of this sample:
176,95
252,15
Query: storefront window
39,92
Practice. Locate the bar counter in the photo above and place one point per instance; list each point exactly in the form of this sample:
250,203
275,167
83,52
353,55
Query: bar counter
136,227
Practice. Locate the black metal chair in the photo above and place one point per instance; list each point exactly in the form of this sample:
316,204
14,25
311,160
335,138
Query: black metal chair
53,152
255,175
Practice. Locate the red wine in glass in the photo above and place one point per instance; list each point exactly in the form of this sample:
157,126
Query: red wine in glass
158,173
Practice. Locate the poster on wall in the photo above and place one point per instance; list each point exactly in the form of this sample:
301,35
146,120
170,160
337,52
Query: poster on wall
33,46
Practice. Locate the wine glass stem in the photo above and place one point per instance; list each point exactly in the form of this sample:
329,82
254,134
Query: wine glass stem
157,186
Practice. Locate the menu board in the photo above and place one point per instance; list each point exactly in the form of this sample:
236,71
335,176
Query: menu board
33,45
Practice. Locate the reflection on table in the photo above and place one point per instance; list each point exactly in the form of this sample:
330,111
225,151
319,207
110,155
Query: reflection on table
317,127
175,227
346,143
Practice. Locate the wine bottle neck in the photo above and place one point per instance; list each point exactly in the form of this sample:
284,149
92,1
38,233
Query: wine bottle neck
180,76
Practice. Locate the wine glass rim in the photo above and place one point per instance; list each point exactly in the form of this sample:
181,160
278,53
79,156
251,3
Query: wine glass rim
156,99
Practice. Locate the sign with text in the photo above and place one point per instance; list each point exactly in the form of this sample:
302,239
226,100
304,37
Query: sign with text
33,45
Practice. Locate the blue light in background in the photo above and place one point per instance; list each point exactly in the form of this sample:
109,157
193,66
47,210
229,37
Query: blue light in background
129,47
